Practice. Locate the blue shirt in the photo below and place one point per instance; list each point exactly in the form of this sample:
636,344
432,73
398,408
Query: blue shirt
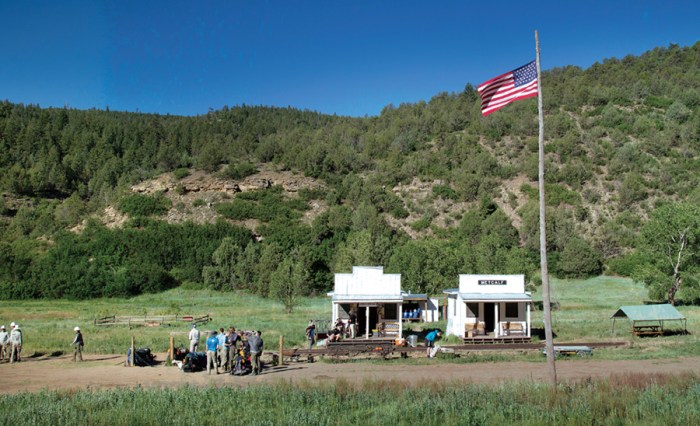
431,336
222,338
212,343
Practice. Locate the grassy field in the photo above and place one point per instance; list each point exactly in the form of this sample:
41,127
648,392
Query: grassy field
585,307
632,400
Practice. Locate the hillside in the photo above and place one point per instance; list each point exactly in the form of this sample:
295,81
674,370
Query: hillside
428,189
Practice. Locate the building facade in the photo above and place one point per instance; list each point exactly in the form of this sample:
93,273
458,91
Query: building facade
489,307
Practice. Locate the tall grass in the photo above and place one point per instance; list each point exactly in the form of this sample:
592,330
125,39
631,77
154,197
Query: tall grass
626,400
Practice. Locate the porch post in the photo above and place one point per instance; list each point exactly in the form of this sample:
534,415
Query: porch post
527,318
497,331
335,313
366,322
400,310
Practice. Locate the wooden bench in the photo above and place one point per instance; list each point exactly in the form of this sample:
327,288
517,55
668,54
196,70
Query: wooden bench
647,330
513,328
474,329
388,328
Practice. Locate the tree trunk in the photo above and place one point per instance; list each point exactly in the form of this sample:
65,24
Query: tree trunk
677,272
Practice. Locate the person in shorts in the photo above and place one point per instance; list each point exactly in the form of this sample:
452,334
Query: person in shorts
430,340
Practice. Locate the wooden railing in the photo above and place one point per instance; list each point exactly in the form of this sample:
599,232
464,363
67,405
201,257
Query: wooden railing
151,320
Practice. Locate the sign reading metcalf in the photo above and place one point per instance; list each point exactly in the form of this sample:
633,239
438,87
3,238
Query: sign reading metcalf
493,282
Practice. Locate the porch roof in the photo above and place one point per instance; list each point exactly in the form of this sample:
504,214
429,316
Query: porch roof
495,297
381,298
414,296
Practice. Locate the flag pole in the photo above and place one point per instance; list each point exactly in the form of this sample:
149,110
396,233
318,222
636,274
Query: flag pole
549,344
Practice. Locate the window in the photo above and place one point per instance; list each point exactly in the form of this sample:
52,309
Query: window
390,310
472,310
511,310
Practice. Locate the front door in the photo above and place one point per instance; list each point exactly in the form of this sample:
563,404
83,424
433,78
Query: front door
489,317
363,320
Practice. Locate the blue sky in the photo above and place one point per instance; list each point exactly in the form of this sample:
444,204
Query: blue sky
342,57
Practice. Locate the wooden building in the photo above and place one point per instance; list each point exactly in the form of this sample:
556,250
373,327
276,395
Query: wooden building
378,303
489,307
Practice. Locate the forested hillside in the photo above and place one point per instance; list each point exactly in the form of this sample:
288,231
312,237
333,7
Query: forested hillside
428,190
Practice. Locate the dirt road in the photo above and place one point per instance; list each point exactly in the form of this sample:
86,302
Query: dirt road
107,371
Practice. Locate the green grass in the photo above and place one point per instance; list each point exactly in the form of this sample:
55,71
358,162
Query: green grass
585,307
628,400
48,324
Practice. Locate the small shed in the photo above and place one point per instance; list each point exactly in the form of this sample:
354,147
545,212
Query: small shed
649,319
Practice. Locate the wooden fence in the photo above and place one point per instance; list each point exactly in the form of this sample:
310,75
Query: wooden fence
151,320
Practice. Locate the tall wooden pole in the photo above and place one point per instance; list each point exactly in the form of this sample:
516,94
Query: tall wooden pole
549,341
133,355
280,360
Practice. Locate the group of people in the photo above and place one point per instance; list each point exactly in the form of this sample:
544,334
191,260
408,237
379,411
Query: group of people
343,329
11,343
223,346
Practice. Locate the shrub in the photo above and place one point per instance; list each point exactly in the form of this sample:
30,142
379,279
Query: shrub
445,192
181,173
144,205
239,171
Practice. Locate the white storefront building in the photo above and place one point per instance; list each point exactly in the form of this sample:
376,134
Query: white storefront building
489,307
378,303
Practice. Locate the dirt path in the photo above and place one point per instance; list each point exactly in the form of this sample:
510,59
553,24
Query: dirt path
107,371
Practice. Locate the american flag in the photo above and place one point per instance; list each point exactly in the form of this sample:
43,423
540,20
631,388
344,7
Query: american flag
498,92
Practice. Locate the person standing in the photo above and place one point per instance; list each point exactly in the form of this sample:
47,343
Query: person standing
194,338
310,334
222,347
256,348
15,343
430,340
352,323
4,340
212,344
78,344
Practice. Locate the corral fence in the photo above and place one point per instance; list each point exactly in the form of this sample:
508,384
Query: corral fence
151,320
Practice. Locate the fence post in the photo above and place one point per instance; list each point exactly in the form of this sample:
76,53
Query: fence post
133,344
171,352
280,360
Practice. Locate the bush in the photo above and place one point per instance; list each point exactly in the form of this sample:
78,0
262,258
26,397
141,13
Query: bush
579,260
143,205
181,173
239,171
625,265
445,192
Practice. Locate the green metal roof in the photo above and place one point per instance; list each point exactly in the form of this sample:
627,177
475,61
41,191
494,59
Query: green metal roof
649,313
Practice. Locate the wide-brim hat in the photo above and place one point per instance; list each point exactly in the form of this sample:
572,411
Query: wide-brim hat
76,329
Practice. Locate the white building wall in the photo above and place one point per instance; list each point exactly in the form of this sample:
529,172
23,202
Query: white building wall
367,280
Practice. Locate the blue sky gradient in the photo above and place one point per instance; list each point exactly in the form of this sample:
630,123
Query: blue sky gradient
343,57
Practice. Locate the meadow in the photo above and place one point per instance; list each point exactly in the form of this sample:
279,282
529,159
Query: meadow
583,314
621,400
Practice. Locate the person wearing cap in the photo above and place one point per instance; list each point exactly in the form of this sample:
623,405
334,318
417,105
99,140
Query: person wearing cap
4,339
78,345
15,342
212,345
256,349
430,340
194,338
